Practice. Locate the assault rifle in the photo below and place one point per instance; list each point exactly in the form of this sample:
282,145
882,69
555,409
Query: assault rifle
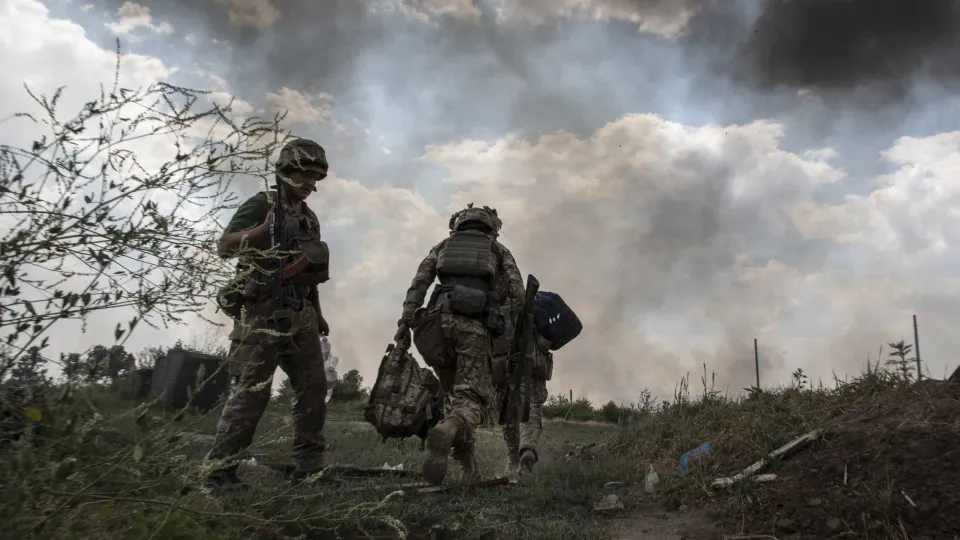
281,320
515,404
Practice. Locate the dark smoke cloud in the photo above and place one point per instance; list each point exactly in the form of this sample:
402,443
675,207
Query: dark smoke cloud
837,44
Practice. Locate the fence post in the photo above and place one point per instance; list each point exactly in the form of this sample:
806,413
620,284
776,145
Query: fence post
756,361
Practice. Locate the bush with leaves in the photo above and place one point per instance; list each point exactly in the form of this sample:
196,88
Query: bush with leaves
90,226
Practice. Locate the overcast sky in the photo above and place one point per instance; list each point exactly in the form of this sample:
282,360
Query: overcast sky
688,175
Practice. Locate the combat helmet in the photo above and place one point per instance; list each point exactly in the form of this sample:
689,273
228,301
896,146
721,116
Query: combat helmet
472,215
304,155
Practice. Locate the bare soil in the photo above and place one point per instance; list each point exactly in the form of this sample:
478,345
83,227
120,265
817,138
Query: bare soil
887,468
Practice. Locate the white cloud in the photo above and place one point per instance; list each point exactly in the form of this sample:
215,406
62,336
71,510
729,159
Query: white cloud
666,18
679,244
301,108
131,16
47,53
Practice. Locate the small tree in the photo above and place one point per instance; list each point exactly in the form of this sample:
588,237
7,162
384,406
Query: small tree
349,387
29,370
898,361
611,412
800,378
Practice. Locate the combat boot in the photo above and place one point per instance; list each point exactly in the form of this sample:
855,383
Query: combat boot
223,480
528,458
439,440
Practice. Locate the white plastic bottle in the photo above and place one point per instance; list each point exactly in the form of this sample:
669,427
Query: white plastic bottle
325,347
329,365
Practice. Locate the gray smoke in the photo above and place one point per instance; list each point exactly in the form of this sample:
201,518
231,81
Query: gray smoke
480,79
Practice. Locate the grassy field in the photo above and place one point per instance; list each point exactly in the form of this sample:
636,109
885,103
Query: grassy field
133,473
93,465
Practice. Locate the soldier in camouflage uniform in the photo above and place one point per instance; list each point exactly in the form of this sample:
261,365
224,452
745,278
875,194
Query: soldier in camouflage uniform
522,439
256,350
454,332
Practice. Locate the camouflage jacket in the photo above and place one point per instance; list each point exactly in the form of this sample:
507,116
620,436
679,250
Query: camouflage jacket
508,292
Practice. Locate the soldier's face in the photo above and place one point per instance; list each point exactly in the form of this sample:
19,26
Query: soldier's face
303,183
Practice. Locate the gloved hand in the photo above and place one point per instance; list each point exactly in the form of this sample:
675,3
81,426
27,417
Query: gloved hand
402,337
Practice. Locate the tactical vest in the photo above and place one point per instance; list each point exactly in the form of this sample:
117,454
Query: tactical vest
303,229
467,258
301,235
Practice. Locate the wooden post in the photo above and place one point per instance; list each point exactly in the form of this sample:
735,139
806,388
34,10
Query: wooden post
571,395
916,346
756,360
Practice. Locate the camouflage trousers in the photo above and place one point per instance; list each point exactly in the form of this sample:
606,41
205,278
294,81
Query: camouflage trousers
254,357
526,435
467,383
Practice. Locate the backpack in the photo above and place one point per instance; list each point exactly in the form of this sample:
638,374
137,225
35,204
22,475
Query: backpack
554,320
405,400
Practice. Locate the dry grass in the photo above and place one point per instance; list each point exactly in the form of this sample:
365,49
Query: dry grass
97,467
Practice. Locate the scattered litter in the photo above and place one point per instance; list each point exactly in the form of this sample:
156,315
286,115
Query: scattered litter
731,480
252,462
651,480
387,467
779,453
609,503
692,455
611,485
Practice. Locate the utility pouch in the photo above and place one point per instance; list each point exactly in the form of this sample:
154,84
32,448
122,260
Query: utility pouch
467,302
429,339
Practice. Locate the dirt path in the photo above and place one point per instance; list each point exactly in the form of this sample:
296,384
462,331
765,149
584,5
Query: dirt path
662,525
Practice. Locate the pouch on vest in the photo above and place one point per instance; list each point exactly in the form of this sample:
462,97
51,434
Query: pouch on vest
544,368
467,302
318,263
429,338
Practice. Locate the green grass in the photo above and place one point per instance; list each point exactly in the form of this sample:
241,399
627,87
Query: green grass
99,466
107,489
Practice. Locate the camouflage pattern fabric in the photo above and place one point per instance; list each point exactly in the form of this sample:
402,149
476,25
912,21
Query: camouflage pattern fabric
255,354
254,359
527,434
403,400
468,384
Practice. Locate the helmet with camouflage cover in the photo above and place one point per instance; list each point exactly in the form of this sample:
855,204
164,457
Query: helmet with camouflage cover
303,155
472,215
